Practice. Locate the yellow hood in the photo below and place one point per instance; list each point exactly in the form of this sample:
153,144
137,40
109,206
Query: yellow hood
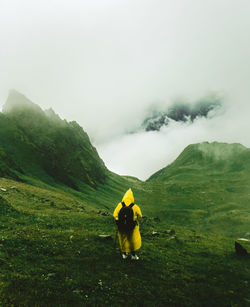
128,197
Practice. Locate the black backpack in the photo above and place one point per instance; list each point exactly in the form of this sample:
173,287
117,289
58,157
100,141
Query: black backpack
126,221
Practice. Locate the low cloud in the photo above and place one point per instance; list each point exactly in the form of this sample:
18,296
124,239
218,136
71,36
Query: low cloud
182,112
143,153
104,63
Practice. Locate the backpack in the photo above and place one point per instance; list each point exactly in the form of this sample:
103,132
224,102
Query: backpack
126,221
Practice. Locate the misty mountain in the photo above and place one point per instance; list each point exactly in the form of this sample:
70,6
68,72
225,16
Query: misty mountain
207,159
39,144
207,188
180,112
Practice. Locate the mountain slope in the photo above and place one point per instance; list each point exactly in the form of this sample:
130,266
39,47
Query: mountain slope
45,147
207,159
207,188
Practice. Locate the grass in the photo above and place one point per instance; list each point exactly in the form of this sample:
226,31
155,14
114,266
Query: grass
50,255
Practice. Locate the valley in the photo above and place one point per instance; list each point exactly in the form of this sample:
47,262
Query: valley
53,186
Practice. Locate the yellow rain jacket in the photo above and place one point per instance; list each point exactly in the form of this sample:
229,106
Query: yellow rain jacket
129,242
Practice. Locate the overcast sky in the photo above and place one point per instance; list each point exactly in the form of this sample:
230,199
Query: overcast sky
104,63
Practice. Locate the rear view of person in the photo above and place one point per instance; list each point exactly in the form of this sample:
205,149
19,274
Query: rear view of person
127,214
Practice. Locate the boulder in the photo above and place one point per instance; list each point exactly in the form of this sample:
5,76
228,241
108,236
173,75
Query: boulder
103,213
155,234
239,249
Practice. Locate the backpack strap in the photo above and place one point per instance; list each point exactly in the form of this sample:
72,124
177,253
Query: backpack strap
130,206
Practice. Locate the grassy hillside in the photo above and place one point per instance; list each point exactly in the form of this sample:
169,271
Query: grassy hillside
47,148
50,255
207,160
53,186
207,188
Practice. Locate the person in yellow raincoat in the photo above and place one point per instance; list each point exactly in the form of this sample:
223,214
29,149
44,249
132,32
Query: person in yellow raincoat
130,242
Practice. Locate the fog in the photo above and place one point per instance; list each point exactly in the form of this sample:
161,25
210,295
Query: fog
106,63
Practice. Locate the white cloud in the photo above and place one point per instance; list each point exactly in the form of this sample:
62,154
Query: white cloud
143,153
104,62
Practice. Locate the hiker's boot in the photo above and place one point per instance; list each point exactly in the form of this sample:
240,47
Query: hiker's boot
124,255
134,257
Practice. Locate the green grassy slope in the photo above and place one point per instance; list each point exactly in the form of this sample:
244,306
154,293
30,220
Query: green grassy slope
50,255
46,147
207,187
204,161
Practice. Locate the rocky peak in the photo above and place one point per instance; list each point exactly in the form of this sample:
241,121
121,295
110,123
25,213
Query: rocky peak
17,101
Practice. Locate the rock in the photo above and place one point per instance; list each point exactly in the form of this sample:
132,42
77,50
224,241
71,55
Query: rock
103,213
245,243
239,249
155,234
105,237
243,239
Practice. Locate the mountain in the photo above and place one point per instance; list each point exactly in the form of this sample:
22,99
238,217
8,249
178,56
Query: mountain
57,198
40,145
207,188
207,159
181,112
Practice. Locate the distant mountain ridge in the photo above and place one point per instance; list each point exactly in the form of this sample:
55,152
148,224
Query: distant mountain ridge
181,112
40,143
